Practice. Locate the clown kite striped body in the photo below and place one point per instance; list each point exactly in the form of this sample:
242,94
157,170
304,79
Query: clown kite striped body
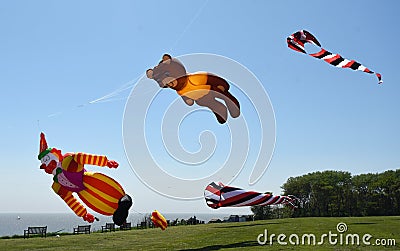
297,40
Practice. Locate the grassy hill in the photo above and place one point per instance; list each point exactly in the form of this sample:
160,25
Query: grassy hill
233,236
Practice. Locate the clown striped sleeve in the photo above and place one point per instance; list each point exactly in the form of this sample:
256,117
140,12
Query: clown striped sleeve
90,159
69,199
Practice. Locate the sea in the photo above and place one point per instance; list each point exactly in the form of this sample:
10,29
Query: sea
14,223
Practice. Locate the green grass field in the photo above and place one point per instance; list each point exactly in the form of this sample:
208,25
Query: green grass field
231,236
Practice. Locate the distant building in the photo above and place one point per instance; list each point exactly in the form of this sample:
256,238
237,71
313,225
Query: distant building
215,221
233,218
238,218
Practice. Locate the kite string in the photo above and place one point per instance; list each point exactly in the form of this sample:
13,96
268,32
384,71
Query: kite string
116,92
111,96
38,125
106,98
132,82
194,18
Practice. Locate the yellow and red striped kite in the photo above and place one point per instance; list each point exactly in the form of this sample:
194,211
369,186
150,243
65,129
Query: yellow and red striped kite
159,220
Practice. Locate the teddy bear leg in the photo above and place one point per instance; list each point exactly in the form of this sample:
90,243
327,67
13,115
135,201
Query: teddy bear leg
233,105
220,111
231,102
221,88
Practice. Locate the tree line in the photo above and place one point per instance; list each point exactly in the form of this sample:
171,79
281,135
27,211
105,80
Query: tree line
338,193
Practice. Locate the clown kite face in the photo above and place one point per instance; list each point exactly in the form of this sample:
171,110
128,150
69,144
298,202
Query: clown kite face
49,162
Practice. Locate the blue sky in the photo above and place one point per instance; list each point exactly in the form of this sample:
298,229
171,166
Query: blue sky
56,57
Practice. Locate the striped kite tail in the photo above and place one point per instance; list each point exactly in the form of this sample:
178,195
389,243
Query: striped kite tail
281,199
340,62
379,76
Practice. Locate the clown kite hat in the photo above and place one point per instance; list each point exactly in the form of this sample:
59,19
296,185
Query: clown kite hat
44,150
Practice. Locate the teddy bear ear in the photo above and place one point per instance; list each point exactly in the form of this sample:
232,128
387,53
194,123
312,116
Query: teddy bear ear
166,56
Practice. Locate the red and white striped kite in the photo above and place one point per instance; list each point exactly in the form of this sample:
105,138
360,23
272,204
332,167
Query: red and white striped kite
219,195
297,40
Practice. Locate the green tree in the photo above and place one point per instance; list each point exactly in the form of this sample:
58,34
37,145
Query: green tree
338,193
262,212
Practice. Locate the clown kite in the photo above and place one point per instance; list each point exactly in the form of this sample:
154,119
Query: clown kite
99,192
